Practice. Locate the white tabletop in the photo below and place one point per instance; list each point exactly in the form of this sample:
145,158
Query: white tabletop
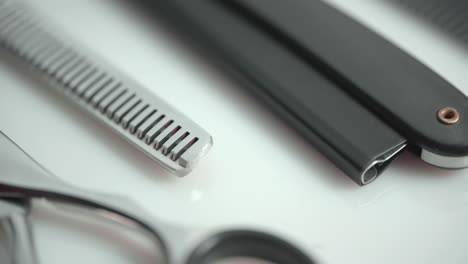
259,172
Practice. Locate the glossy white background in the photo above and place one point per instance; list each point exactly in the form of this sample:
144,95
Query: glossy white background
259,172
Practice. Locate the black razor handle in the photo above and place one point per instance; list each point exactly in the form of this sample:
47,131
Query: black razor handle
356,140
418,103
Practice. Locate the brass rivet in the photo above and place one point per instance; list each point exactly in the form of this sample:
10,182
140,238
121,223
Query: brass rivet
448,115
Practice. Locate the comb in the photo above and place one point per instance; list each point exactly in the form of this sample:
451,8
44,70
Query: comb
450,15
146,121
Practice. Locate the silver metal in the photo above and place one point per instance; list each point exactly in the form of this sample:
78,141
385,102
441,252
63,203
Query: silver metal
29,45
132,114
167,133
127,106
21,30
96,87
78,80
70,69
72,64
140,119
105,93
45,61
160,124
148,124
90,81
75,73
59,63
174,140
373,170
25,181
16,233
119,102
22,173
444,161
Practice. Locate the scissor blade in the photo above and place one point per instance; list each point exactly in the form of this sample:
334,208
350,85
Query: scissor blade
23,177
16,236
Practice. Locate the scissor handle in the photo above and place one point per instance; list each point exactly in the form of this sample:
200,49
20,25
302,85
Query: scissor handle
15,233
249,244
26,178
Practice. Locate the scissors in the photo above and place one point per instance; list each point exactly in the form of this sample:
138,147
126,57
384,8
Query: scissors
23,180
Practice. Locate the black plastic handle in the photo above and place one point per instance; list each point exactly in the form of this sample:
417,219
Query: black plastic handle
357,141
390,82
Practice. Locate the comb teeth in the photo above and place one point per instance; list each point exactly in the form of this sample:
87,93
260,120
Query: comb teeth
139,116
450,15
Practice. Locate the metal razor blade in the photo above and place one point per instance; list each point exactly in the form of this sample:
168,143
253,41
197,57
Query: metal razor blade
139,116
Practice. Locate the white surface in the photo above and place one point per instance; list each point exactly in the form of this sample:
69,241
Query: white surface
259,171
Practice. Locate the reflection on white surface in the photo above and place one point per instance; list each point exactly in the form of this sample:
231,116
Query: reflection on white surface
197,195
262,175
